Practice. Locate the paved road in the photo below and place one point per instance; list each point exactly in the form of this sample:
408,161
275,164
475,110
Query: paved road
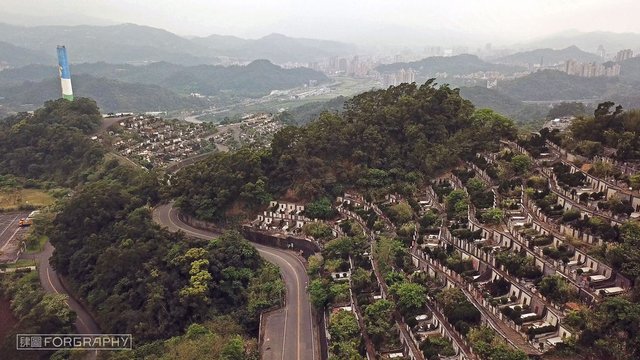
8,230
85,324
288,333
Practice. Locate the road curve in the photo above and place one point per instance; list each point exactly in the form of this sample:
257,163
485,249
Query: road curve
85,324
289,333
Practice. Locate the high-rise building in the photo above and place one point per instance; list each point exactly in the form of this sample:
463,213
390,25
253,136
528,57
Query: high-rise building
343,65
65,74
601,52
575,68
624,55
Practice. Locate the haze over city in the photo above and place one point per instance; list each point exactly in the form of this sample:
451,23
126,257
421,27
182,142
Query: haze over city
408,23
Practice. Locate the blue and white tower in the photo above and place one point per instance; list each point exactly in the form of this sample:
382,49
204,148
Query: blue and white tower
65,74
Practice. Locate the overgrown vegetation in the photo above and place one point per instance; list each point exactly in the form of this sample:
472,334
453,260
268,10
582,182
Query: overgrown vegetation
52,144
424,129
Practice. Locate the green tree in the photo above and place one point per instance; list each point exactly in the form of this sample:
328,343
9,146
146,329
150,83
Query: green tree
318,293
401,213
625,257
320,209
556,288
634,181
410,298
492,216
520,163
343,326
379,320
234,350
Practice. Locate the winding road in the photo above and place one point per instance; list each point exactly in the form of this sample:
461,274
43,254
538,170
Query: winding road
85,324
289,332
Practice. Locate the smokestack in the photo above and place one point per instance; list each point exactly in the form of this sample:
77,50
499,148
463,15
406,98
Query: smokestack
65,75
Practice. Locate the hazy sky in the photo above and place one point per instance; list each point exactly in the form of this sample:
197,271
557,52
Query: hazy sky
497,21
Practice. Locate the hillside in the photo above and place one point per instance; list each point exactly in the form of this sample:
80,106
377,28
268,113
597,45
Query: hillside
256,79
453,65
589,41
130,43
551,85
111,95
117,43
521,113
395,137
275,47
304,114
11,55
52,144
630,69
549,56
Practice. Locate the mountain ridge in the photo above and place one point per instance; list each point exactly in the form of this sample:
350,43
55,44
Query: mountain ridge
549,56
131,43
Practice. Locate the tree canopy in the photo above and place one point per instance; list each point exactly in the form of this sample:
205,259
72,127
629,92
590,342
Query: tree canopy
51,144
384,139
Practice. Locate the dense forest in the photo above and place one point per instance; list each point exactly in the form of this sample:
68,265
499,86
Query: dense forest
135,276
111,95
611,131
452,65
549,56
52,144
36,311
385,139
257,78
304,114
524,115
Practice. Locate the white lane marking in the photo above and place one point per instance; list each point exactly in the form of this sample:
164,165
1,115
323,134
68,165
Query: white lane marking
50,283
284,332
295,273
9,239
259,250
8,226
66,300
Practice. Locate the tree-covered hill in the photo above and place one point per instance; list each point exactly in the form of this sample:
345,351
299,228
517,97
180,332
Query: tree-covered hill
275,47
521,113
258,78
136,44
52,144
11,55
303,114
120,43
452,65
386,139
549,56
111,95
135,276
550,85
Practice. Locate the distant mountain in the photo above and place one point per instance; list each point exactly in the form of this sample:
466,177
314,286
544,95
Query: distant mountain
45,19
452,65
589,41
549,56
255,79
111,95
276,48
482,97
630,69
135,44
521,113
14,56
551,85
124,43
